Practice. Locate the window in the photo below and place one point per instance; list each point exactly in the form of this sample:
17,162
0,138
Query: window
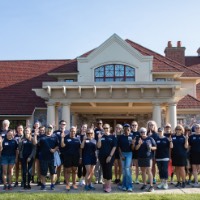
69,80
114,72
163,79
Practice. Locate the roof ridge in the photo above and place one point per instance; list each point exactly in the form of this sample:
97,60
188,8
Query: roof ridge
35,60
192,97
181,65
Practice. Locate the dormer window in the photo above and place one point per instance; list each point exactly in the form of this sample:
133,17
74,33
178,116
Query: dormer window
114,72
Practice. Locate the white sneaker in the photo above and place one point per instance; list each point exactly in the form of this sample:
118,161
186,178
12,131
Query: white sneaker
80,183
165,186
83,182
160,186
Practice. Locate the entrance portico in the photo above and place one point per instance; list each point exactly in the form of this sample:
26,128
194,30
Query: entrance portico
114,99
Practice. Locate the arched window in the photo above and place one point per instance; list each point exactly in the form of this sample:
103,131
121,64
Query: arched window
114,72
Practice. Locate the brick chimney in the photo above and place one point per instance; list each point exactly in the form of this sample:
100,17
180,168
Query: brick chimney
175,53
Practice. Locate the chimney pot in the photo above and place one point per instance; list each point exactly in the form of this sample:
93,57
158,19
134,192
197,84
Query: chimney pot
169,44
179,44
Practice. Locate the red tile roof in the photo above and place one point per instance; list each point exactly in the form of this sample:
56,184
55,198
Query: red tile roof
16,83
188,102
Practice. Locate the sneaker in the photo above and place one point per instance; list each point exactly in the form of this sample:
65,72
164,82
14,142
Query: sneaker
165,186
52,187
43,187
154,181
9,187
39,183
144,186
195,185
160,186
123,188
74,187
188,182
183,185
25,187
96,182
178,184
137,182
151,189
86,188
22,184
91,187
16,184
130,190
67,187
108,189
5,187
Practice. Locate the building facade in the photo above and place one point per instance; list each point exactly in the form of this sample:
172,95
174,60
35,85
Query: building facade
119,81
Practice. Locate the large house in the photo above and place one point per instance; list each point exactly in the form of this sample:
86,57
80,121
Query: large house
119,81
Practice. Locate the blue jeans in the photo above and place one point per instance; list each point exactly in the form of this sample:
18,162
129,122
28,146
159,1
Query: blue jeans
163,169
126,167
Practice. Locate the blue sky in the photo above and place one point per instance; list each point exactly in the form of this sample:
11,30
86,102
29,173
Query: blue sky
64,29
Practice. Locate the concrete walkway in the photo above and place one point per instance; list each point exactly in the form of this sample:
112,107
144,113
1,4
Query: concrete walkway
61,189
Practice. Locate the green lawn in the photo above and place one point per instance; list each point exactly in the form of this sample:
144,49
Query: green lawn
96,196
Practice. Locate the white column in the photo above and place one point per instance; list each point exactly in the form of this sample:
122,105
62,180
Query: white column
50,113
56,118
157,114
172,115
66,114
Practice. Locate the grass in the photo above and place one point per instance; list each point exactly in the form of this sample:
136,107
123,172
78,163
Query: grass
42,196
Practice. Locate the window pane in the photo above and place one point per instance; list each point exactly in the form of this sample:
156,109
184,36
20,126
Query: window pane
130,79
109,71
130,71
109,79
119,70
99,80
99,72
119,79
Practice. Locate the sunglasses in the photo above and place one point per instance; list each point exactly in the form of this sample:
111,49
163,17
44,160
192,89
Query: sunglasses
134,125
142,132
167,127
178,129
63,124
89,133
105,128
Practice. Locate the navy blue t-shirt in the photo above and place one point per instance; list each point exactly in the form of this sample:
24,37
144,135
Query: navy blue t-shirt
3,133
9,147
194,142
72,146
143,151
27,148
162,150
46,143
178,146
18,137
125,143
107,143
80,137
89,148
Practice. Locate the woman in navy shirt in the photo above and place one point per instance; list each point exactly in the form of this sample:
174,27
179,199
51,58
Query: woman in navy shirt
179,154
9,155
107,144
162,157
194,143
89,159
71,145
117,163
145,145
125,143
27,150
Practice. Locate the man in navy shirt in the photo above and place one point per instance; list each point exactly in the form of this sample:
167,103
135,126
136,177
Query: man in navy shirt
48,145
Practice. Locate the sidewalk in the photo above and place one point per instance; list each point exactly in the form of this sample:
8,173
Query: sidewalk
61,189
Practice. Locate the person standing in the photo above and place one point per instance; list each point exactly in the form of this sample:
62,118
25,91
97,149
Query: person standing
88,147
136,136
125,143
107,144
98,169
194,144
71,145
9,153
27,150
48,146
117,163
162,157
145,145
179,154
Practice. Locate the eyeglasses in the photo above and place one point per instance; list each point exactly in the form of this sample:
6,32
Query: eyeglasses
187,130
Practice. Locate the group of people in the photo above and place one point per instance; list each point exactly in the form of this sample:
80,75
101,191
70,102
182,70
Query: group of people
95,150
